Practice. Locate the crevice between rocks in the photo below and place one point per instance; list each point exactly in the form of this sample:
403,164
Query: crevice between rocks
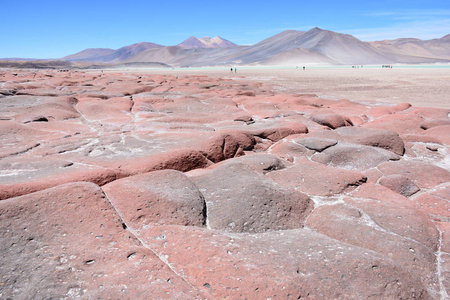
442,290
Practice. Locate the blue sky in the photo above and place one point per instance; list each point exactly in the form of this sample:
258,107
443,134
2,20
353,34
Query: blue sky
53,29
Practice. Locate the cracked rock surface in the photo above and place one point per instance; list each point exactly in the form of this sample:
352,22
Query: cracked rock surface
141,186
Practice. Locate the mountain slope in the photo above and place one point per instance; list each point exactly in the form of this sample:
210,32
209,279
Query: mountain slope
110,55
91,54
298,57
128,51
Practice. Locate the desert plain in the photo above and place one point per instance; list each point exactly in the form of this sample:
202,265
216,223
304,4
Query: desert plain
207,184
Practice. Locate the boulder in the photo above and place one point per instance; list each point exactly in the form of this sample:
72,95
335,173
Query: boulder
226,144
354,157
331,120
241,200
380,138
164,197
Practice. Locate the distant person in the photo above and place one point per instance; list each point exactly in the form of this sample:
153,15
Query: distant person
303,68
231,70
235,70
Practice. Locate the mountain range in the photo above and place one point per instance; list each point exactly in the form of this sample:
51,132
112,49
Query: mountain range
290,47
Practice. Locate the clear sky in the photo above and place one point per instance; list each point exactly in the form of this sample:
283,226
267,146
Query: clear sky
56,28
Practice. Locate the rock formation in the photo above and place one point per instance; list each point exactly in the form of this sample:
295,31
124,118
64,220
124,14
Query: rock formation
155,186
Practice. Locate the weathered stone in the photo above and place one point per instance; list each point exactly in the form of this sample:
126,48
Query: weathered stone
433,123
224,145
380,138
422,174
259,162
354,157
317,179
331,120
68,242
399,184
290,264
351,225
316,144
241,200
164,197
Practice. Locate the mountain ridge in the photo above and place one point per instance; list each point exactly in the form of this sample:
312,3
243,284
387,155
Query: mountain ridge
290,47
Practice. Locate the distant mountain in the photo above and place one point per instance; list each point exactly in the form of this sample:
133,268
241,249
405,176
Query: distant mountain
91,54
431,49
290,47
206,42
330,46
109,55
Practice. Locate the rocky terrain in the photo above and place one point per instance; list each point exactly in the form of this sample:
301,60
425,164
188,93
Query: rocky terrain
148,186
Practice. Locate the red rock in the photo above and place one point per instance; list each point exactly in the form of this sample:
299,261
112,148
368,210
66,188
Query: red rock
290,264
18,138
433,123
46,109
21,176
258,162
164,197
399,184
405,221
441,133
315,143
354,157
234,146
226,144
422,174
108,110
290,149
68,242
240,200
436,202
401,123
181,160
351,225
380,138
277,133
382,194
317,179
331,120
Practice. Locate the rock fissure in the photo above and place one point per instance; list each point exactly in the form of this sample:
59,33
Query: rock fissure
439,270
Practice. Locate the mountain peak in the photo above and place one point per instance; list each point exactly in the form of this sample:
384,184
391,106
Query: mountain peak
206,42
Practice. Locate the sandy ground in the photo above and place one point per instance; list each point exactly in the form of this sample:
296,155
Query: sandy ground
420,87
